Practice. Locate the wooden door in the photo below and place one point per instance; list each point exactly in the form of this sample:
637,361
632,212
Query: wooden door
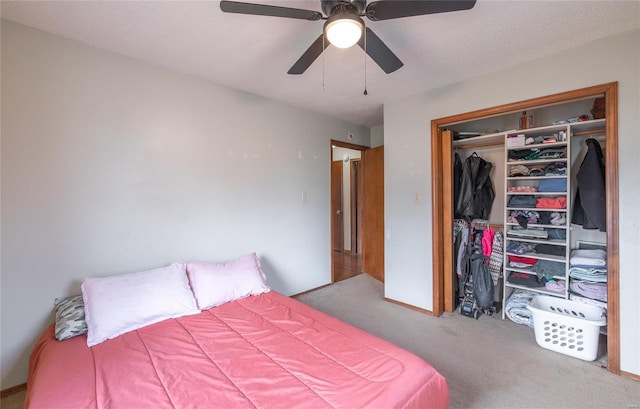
337,224
373,213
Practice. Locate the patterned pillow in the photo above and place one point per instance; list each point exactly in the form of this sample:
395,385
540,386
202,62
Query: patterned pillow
69,317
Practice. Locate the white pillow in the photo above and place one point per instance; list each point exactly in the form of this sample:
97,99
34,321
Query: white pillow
215,284
118,304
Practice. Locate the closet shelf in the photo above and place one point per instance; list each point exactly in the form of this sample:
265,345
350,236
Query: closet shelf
537,193
594,125
540,256
555,242
480,141
536,161
541,290
529,271
536,209
550,226
538,145
536,177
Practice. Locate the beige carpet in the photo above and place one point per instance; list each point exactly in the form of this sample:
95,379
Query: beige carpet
14,401
488,363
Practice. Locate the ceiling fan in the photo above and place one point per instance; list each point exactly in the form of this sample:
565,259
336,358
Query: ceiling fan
344,26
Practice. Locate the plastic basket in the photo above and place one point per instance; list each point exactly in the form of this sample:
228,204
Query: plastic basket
566,326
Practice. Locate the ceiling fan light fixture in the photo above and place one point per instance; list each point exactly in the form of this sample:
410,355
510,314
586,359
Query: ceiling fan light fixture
343,29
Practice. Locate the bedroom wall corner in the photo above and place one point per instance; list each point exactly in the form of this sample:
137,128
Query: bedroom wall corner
110,165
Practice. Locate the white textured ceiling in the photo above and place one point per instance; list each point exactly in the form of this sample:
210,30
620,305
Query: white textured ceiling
253,53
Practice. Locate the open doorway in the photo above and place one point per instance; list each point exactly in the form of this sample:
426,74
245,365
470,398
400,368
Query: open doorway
346,212
357,211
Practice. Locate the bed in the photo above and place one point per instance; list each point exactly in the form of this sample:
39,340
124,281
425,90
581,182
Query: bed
262,351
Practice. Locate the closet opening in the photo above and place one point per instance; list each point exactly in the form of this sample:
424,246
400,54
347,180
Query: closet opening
485,133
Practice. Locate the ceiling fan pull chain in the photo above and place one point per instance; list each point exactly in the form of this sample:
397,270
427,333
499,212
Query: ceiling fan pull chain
365,63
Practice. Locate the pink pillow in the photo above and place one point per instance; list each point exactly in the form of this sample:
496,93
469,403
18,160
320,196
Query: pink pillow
216,284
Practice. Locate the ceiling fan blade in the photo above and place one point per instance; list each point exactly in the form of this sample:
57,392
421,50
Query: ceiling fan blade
266,10
388,9
380,53
309,56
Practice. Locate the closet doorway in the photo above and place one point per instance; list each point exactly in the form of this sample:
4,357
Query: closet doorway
443,207
353,231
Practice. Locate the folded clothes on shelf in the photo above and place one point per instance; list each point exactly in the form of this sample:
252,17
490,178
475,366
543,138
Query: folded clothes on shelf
520,248
519,154
557,234
533,140
538,139
558,286
526,188
518,170
523,217
551,203
549,269
521,262
529,233
588,257
522,201
536,170
552,153
524,279
595,274
596,291
556,169
550,249
552,185
554,218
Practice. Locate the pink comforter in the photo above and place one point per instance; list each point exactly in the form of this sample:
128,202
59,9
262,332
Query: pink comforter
267,351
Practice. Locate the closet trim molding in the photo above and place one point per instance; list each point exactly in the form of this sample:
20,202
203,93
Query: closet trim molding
442,201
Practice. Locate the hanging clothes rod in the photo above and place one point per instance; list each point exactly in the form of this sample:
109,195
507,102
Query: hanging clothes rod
590,132
478,145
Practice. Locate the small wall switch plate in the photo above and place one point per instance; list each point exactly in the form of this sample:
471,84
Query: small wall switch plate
304,197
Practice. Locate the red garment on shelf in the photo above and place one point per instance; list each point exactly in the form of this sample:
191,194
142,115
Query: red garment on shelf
552,202
523,260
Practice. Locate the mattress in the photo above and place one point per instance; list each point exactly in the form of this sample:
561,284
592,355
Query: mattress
266,351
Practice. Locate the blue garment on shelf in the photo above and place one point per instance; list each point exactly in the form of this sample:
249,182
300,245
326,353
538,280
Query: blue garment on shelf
552,185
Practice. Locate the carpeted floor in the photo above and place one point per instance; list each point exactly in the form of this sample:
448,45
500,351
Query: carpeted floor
13,401
488,363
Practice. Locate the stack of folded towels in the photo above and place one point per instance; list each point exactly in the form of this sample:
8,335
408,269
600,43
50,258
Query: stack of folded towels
588,272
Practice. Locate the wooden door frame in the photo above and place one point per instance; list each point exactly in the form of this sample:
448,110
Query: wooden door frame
356,206
442,202
346,145
337,237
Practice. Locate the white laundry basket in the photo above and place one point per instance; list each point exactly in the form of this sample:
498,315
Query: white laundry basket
566,326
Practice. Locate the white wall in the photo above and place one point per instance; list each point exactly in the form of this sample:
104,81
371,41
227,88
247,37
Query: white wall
408,273
110,165
377,136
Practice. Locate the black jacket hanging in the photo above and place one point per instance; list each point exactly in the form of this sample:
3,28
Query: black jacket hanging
457,176
589,209
476,189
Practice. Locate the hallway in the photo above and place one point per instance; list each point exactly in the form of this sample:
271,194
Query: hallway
346,265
